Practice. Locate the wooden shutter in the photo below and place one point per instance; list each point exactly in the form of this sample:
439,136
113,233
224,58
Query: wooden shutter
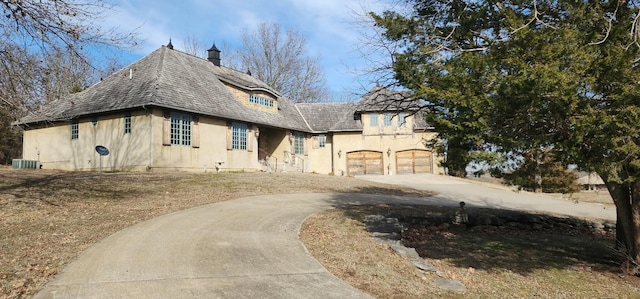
166,128
315,142
305,144
195,132
250,137
229,136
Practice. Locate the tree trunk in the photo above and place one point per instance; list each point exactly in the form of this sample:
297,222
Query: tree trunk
627,200
634,194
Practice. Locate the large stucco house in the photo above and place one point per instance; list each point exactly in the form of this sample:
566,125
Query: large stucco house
174,111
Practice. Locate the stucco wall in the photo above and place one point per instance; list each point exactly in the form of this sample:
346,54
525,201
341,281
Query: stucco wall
367,129
139,150
320,157
143,149
344,143
211,155
58,151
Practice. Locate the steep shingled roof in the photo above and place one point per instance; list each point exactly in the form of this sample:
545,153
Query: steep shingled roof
339,117
383,99
172,79
324,117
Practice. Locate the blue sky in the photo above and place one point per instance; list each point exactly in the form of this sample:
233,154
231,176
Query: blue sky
328,26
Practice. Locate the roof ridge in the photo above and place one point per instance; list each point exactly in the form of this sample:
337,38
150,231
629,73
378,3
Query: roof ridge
303,117
158,75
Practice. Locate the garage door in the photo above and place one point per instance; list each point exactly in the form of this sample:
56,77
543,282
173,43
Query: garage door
413,161
364,162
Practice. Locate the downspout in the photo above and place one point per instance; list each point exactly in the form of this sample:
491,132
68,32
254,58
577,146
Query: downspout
333,170
150,116
150,140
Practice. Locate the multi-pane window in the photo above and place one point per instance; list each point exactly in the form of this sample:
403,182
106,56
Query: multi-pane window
401,119
322,140
373,119
387,119
180,129
260,100
74,129
239,136
298,143
127,123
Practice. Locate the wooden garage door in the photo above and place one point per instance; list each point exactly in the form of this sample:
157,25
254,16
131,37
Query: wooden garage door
413,161
364,162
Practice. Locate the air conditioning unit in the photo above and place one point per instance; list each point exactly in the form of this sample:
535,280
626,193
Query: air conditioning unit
25,164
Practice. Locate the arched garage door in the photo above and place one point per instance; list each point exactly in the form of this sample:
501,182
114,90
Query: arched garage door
413,161
364,162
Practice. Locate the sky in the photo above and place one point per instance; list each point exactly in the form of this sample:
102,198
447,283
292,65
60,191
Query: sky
329,26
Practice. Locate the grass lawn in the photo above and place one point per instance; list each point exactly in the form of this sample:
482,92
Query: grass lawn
48,218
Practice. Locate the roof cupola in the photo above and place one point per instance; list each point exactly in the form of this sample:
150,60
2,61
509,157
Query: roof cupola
213,55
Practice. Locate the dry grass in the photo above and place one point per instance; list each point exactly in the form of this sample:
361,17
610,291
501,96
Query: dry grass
48,218
493,262
347,250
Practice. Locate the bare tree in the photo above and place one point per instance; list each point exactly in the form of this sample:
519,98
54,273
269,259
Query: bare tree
373,47
57,35
46,51
194,47
279,59
61,24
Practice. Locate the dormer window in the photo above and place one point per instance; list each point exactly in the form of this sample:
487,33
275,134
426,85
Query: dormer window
262,101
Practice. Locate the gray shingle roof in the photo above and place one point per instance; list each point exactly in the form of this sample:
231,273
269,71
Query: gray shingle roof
324,117
171,79
339,117
383,99
243,80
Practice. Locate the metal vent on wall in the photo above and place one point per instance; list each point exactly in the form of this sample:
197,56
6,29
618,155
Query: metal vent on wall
25,164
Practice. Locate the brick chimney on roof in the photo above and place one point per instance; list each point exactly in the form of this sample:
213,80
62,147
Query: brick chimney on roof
213,55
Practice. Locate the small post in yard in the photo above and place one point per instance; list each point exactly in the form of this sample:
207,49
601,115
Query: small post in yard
102,151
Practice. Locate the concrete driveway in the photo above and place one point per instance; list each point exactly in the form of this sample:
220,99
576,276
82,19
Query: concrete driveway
249,247
454,190
244,248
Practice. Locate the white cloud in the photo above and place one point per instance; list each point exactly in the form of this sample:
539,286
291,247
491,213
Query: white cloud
326,24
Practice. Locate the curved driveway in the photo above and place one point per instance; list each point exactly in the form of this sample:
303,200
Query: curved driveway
454,190
247,247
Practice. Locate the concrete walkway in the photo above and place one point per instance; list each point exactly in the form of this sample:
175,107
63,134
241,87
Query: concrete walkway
249,247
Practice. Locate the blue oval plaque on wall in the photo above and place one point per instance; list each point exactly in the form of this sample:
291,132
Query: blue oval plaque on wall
102,151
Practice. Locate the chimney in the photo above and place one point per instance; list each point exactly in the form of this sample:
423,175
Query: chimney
214,55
